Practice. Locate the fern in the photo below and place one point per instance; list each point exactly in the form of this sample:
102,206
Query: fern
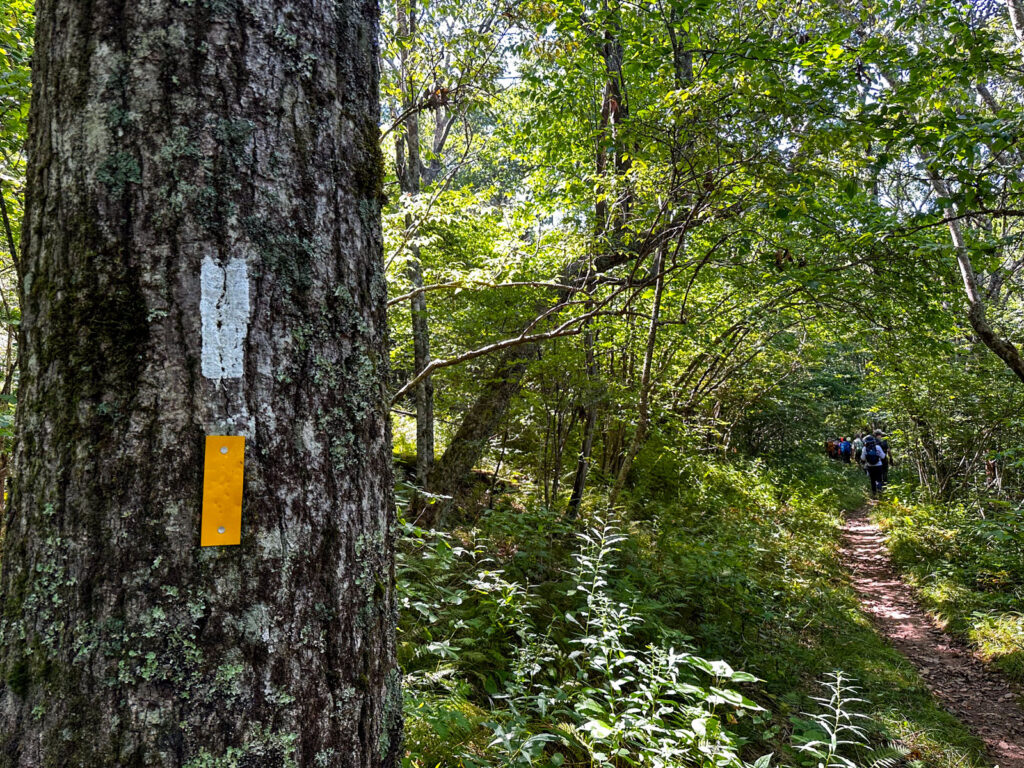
890,755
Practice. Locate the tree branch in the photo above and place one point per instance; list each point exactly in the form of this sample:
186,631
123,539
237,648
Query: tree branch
476,284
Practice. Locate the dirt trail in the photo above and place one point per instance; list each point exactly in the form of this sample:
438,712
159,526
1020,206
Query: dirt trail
979,696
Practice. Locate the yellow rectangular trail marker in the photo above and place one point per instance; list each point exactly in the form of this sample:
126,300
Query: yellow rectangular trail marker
222,491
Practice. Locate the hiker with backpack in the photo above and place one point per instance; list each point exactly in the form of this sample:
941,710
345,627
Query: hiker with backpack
830,447
872,457
858,447
845,450
887,460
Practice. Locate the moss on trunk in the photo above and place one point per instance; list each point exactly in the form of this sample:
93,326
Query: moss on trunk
165,134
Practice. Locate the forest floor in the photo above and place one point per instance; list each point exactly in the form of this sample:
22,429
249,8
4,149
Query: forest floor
977,694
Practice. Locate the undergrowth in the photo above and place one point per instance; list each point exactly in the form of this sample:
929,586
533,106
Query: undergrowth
966,560
616,639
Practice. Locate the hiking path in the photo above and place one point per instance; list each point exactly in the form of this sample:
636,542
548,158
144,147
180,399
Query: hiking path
974,692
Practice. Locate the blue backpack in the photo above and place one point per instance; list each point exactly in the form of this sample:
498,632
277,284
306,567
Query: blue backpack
871,455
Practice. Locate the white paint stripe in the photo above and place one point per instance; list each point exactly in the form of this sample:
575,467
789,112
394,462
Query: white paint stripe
224,309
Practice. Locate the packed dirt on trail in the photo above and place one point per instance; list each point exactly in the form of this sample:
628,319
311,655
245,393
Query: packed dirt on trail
978,695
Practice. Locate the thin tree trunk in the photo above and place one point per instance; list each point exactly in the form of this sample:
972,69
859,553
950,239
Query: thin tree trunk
201,256
583,461
1005,349
614,112
1016,9
409,165
561,435
8,231
424,391
497,470
579,483
543,469
644,407
13,250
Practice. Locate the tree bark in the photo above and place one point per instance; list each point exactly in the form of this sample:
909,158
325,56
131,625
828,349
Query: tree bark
977,315
201,255
409,168
579,483
452,471
644,406
1016,10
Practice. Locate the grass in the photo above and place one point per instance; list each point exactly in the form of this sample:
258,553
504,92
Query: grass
770,596
967,563
732,560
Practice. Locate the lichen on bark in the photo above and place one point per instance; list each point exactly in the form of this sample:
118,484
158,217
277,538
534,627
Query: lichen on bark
166,133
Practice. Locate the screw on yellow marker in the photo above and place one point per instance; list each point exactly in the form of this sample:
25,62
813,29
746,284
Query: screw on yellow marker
222,491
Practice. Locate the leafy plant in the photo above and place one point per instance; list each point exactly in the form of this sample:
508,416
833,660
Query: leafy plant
835,735
582,692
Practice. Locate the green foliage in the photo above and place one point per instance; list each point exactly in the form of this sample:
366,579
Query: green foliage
583,691
17,23
967,561
529,639
837,730
780,160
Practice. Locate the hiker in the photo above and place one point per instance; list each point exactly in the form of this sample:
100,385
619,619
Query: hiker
845,450
858,447
872,456
887,455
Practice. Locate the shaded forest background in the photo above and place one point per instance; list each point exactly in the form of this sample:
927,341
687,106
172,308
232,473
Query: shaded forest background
644,259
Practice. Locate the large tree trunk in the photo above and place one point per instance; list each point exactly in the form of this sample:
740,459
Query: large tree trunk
202,256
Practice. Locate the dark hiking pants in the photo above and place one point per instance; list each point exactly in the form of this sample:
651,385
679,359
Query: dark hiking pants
875,475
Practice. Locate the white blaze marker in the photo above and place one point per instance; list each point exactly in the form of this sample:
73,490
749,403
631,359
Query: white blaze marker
224,309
